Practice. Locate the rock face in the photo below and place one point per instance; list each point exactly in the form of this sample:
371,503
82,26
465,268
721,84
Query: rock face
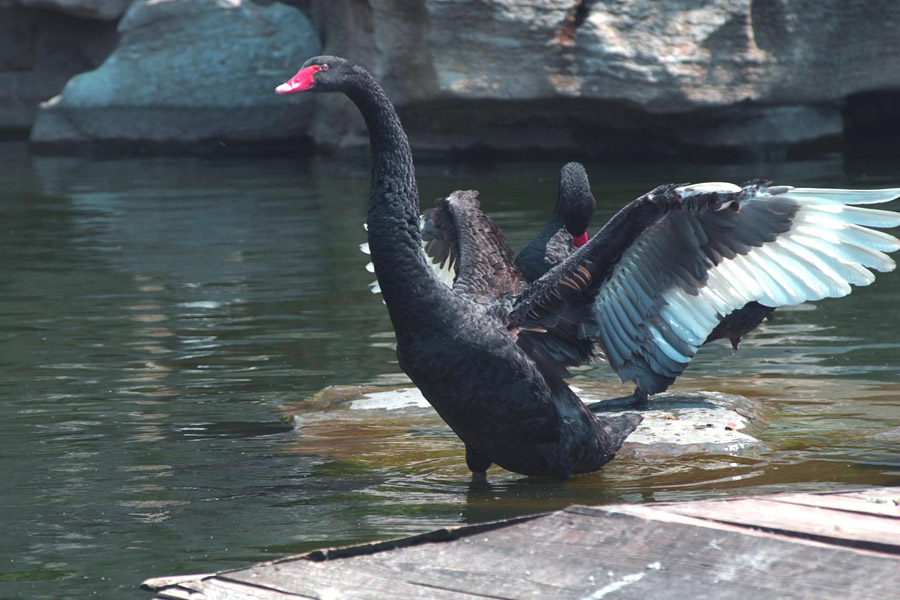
606,77
618,75
188,72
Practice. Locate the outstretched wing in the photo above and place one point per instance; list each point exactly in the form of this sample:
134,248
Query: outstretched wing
653,284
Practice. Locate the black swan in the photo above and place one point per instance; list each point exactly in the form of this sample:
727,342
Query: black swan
564,233
567,228
647,290
454,346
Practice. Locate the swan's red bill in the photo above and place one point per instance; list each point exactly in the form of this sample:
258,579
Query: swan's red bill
302,81
580,240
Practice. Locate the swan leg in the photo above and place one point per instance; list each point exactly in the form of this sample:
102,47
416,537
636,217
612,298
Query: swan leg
479,479
639,400
477,463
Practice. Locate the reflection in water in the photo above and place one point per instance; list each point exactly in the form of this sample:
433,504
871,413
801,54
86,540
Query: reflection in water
161,316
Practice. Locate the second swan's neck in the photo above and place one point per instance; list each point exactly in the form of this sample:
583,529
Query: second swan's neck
532,259
393,213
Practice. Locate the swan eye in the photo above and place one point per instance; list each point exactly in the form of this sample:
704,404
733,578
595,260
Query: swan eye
324,67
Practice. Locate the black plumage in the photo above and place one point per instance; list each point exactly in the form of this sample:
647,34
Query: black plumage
570,220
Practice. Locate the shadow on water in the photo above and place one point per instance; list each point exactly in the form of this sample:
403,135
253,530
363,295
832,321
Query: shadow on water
161,316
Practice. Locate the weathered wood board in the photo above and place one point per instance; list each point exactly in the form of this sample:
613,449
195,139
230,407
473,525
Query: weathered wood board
842,545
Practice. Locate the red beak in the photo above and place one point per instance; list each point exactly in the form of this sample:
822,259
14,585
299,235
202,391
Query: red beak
581,240
300,82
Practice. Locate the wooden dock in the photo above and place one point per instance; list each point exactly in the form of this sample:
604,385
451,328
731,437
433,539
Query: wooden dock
842,545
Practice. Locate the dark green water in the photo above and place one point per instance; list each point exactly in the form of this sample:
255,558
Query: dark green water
159,318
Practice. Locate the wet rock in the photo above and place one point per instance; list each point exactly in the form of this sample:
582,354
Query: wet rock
702,425
675,424
188,72
695,423
390,400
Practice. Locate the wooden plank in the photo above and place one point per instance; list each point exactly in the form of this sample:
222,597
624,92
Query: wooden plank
706,549
882,493
717,561
884,505
652,512
835,526
222,589
573,555
444,534
338,579
160,582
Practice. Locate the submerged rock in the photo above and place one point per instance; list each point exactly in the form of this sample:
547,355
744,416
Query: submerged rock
675,424
188,72
704,423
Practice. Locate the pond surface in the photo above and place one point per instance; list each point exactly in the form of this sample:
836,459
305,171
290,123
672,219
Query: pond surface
162,319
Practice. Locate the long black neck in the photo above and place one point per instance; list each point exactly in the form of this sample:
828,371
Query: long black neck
393,214
532,259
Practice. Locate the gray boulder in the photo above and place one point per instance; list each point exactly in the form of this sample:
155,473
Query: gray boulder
188,72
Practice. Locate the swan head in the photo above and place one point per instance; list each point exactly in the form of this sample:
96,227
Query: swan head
575,203
321,74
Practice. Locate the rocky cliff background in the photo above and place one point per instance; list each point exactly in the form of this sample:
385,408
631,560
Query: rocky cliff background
610,78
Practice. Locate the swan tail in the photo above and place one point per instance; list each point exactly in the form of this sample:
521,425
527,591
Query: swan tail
619,427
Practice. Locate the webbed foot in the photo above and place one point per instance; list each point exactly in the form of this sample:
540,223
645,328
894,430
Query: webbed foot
639,400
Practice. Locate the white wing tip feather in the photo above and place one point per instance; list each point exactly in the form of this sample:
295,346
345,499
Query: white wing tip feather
843,196
710,187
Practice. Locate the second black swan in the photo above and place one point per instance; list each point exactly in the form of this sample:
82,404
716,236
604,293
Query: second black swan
567,229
